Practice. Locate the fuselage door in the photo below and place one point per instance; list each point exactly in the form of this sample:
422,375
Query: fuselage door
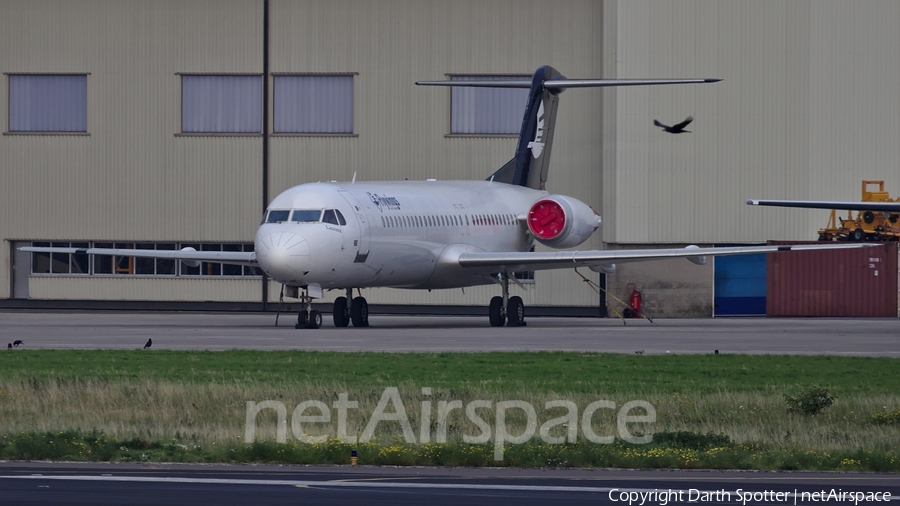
360,212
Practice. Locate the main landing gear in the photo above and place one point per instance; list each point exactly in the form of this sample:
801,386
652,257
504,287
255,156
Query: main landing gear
357,312
506,309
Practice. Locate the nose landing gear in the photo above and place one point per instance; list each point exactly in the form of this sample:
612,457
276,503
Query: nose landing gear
308,318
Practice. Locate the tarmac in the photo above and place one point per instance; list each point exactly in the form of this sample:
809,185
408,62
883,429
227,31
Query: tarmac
388,333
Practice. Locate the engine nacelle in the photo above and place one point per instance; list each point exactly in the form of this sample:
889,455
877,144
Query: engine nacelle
190,263
559,221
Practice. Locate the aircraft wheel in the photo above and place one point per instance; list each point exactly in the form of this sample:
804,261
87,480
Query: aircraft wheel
302,320
359,312
515,312
495,312
339,313
315,320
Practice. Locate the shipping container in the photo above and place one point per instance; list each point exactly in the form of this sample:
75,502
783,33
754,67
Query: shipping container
850,282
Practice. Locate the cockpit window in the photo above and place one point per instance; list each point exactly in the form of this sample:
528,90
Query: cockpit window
306,215
340,217
277,216
329,217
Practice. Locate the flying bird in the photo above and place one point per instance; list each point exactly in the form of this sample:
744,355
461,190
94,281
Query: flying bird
17,342
149,343
675,129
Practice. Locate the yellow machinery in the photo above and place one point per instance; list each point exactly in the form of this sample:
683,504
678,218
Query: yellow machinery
866,225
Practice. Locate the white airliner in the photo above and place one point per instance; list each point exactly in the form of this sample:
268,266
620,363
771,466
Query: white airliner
437,234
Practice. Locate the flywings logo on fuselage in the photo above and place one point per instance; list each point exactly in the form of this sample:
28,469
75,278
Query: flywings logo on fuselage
382,202
536,146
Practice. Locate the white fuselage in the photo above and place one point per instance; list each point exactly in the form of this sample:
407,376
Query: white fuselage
404,234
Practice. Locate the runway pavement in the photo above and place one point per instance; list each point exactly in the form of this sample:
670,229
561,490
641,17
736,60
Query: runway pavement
134,484
221,331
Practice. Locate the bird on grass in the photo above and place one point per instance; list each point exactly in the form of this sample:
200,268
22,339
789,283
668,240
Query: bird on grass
17,342
149,343
675,129
8,346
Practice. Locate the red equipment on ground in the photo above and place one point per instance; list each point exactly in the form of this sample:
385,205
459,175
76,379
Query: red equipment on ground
634,301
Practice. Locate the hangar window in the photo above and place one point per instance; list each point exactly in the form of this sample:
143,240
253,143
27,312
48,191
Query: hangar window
210,268
313,104
217,104
486,111
83,264
154,266
59,263
48,103
232,269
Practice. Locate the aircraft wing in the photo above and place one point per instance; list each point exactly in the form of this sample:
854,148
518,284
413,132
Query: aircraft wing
887,207
187,254
531,261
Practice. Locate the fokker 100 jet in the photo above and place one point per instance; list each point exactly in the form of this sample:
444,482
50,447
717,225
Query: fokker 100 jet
437,234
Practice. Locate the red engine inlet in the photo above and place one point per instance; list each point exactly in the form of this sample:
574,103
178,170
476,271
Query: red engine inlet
546,219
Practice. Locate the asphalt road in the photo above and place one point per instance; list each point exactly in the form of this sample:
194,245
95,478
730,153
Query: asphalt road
221,331
177,484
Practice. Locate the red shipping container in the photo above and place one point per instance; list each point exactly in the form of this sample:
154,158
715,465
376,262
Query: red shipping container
847,282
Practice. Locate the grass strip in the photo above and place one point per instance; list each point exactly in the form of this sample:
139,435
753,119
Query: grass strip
75,446
731,410
507,371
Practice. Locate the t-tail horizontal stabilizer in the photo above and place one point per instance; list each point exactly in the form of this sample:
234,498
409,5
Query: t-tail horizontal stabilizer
530,165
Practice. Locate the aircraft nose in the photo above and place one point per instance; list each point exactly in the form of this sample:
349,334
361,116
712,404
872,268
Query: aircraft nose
283,255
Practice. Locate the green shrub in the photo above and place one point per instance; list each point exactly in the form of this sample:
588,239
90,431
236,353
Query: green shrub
887,418
811,402
692,440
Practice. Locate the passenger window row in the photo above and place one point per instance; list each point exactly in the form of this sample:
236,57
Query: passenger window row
452,220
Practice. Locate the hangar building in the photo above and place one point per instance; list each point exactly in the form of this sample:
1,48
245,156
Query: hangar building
171,123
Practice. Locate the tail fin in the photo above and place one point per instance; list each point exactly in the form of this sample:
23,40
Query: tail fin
536,136
530,165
